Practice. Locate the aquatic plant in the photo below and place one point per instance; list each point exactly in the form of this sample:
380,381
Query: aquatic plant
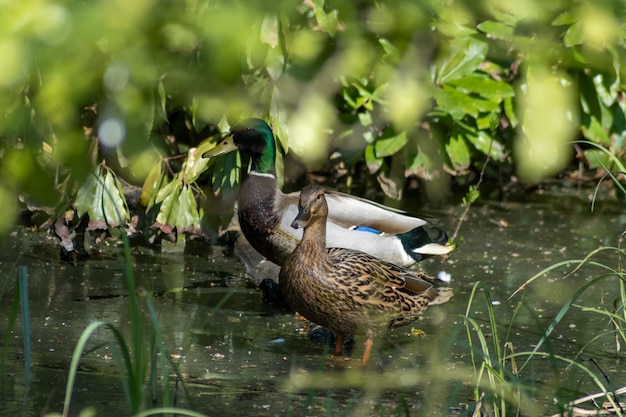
395,91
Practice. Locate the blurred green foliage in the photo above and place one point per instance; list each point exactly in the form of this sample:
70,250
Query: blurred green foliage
424,89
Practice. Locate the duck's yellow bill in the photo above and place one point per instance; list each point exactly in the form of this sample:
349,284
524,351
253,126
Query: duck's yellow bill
226,145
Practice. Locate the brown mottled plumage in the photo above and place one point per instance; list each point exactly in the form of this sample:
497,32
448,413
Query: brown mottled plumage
346,290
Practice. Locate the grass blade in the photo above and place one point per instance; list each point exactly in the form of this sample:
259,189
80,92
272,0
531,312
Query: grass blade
22,273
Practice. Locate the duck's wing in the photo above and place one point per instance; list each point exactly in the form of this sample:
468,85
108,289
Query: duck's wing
365,226
352,212
379,282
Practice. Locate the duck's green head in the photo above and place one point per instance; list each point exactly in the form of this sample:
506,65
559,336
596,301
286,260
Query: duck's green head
253,137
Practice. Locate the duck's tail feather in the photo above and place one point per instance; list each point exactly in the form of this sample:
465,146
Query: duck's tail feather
425,241
442,296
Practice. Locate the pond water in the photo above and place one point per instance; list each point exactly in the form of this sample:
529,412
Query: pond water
237,354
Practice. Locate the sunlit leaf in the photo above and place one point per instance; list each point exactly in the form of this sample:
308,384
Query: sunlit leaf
607,87
573,35
509,111
464,57
226,172
372,160
151,185
550,123
496,30
594,131
458,152
486,144
484,86
597,158
329,22
389,145
565,18
417,163
456,103
194,165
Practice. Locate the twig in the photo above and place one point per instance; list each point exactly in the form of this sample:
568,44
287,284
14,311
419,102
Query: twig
470,201
577,411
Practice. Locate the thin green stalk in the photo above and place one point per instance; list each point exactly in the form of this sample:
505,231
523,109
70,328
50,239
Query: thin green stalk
22,272
78,351
157,344
557,319
608,393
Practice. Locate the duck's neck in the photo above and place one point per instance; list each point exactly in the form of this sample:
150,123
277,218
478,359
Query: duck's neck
314,237
265,162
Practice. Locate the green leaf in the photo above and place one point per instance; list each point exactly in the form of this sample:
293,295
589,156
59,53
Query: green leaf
226,172
485,86
496,30
194,165
101,197
565,18
416,160
329,22
574,35
455,103
274,62
488,122
373,162
607,88
390,145
483,142
162,99
598,159
458,152
464,57
151,185
179,209
594,131
509,111
486,106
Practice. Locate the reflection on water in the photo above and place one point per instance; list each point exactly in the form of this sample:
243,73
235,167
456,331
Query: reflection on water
237,353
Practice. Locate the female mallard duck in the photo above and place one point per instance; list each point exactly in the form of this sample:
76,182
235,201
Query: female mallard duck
345,290
265,212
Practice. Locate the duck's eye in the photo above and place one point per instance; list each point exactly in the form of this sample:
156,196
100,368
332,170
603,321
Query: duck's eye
248,129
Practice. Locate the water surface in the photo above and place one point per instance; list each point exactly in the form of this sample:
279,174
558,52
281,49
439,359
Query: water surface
237,354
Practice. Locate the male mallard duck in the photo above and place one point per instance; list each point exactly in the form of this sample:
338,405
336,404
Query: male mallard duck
345,290
265,212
